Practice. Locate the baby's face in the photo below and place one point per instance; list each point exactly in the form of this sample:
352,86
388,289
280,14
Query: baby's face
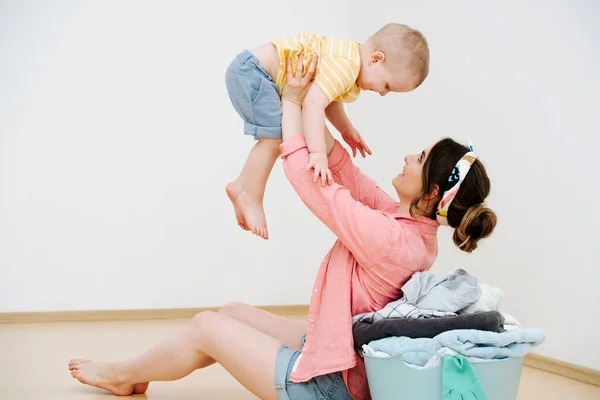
377,76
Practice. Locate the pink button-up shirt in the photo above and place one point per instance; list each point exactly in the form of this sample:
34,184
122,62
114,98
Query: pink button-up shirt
377,251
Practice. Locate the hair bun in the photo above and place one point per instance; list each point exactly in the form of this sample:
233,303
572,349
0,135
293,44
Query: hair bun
478,223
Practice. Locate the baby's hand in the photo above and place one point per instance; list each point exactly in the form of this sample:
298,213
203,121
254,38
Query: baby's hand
355,141
319,162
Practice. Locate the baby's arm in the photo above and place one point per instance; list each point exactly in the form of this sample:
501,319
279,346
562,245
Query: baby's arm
313,120
336,114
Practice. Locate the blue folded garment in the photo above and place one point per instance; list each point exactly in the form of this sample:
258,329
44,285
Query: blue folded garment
469,343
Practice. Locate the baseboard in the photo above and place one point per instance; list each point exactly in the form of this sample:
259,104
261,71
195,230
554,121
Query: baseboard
129,315
582,374
572,371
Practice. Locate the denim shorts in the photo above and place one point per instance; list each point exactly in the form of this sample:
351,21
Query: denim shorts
324,387
254,96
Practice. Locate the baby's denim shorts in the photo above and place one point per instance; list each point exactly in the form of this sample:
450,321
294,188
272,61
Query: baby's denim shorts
254,96
324,387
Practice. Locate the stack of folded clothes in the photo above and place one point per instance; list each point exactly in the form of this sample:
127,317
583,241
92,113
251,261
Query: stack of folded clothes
445,319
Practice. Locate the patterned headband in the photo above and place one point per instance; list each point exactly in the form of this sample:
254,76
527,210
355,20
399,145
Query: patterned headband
456,178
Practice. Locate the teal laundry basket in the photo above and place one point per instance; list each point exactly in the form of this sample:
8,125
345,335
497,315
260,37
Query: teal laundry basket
391,379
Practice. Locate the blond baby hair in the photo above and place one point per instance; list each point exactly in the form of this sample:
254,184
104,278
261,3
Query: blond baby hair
403,47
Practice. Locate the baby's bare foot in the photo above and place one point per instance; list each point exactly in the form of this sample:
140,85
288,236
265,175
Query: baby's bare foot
233,189
249,212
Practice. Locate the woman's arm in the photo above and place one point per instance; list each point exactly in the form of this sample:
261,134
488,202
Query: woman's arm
344,172
368,234
363,188
291,123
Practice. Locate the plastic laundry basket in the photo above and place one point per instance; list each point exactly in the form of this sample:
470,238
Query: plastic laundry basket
391,379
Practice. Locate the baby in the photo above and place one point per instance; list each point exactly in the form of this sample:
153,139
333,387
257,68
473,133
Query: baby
394,59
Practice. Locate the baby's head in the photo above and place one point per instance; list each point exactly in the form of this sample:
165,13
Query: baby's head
394,59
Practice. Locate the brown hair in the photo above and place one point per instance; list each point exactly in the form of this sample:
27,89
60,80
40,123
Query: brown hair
468,214
405,46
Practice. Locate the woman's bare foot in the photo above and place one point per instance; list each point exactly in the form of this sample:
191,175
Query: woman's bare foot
248,212
140,388
104,376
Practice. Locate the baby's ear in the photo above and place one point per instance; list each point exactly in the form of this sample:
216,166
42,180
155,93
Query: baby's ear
376,56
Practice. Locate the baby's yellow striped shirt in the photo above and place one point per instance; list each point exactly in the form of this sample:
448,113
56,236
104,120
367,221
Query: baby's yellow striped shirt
338,68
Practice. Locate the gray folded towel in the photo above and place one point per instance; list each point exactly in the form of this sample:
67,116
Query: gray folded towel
365,332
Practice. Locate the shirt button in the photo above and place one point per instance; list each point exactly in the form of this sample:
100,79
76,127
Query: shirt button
311,320
316,290
304,350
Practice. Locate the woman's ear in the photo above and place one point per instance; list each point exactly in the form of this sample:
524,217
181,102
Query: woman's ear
435,191
432,197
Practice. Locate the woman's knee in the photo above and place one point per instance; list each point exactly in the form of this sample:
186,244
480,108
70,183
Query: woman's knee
233,309
200,325
202,318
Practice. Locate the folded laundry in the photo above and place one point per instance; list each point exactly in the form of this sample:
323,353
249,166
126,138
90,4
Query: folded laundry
428,295
365,332
469,343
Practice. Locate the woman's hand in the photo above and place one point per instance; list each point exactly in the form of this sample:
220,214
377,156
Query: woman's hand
297,85
294,91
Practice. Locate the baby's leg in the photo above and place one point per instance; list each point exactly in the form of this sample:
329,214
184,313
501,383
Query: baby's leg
255,97
248,190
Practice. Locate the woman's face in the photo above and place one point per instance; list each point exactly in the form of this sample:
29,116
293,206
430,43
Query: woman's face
409,182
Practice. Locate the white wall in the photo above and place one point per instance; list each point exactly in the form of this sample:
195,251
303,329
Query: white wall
116,141
522,80
117,138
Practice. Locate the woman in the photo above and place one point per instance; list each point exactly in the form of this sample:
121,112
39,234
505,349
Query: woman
381,244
